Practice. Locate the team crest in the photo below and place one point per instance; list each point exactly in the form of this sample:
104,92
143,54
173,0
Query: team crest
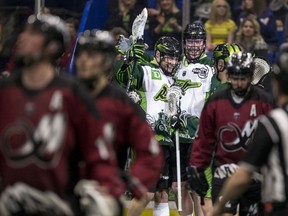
202,72
236,115
156,75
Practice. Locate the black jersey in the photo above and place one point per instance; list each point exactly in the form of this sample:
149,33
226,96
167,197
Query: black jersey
271,142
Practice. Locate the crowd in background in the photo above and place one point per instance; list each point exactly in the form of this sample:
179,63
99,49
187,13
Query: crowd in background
257,27
260,29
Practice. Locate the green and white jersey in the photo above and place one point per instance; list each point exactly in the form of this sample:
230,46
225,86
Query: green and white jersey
152,83
154,86
195,80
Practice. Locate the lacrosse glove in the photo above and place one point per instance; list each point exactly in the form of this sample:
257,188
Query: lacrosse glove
198,181
21,199
123,45
160,126
94,200
137,51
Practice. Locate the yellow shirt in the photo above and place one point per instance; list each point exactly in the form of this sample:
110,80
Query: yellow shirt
220,32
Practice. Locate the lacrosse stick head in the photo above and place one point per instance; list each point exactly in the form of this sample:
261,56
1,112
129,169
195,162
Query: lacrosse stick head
173,97
261,69
138,25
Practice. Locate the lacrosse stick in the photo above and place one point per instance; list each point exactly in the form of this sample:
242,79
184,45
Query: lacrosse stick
262,68
138,27
172,110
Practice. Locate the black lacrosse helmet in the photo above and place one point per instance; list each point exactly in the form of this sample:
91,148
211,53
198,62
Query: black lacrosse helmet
54,28
241,63
168,46
195,30
96,41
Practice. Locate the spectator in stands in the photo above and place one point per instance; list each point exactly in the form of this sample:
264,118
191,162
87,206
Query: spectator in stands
12,26
167,22
236,8
250,39
219,27
123,13
259,10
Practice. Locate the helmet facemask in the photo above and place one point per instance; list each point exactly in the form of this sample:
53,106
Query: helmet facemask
194,41
168,63
240,70
99,49
167,54
193,48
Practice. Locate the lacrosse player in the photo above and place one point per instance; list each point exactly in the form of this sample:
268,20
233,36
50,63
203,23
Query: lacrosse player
267,152
221,56
194,76
94,58
227,124
154,79
49,125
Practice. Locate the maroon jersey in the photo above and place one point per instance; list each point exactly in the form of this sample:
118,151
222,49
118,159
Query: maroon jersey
228,125
44,135
131,130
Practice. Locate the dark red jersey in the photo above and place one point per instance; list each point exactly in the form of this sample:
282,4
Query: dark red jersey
229,126
131,130
44,134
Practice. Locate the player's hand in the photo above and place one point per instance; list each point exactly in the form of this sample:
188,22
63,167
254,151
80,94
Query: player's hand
198,181
137,50
21,199
94,199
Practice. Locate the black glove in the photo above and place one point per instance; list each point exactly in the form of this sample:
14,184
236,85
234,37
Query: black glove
198,182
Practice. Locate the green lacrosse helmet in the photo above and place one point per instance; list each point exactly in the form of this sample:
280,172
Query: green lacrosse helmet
225,51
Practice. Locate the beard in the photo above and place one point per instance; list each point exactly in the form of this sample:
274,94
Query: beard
89,83
241,92
22,60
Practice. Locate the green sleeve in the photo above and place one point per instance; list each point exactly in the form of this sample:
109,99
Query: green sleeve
124,71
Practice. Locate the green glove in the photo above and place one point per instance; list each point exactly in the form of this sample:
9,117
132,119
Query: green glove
137,50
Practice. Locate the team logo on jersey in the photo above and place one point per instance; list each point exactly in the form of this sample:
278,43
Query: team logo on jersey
202,72
236,115
232,138
161,94
155,74
24,143
187,84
